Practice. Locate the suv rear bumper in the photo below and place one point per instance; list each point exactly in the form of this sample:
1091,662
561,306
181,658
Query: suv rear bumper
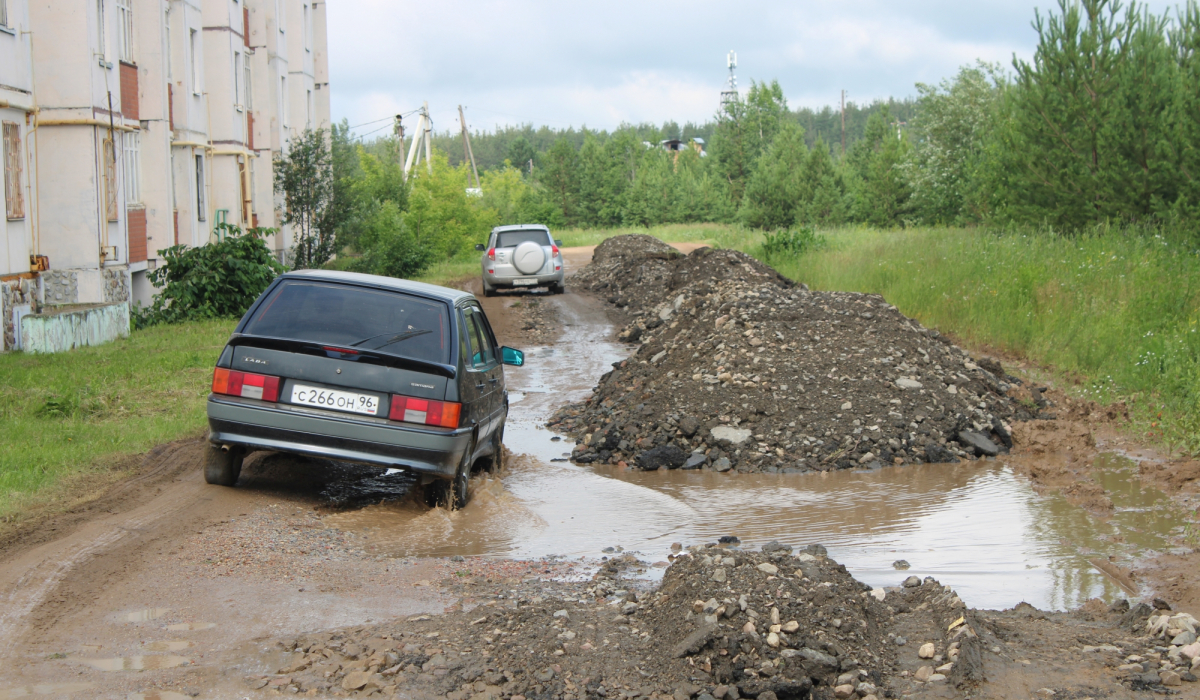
266,426
507,281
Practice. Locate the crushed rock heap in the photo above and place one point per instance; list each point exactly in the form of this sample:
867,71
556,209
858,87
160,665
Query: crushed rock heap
740,369
725,624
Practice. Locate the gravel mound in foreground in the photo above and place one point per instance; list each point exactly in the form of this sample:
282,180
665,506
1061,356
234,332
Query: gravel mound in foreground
724,624
728,624
739,369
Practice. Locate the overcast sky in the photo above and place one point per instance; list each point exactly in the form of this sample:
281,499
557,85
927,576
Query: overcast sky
573,63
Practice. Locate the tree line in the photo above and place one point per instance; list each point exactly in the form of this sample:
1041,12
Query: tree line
1103,125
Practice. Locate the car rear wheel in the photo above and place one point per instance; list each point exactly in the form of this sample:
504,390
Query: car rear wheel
451,493
488,290
558,288
223,465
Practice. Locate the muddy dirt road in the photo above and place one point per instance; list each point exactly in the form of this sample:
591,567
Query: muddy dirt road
167,581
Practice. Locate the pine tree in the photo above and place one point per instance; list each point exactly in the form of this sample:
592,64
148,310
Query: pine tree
880,190
1186,122
779,187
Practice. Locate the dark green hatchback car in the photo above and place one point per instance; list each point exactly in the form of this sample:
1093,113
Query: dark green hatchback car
366,369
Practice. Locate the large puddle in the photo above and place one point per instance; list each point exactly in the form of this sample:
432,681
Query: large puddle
975,526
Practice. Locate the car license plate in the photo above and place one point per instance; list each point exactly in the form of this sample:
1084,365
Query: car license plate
524,282
350,401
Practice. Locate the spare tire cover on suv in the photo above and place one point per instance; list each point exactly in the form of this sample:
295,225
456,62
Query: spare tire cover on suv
529,258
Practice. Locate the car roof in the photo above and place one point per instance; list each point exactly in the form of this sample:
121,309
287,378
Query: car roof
521,227
401,285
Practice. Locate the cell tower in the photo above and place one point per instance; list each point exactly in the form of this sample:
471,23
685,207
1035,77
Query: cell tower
730,93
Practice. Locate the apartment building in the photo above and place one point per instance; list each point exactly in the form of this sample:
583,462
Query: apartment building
134,125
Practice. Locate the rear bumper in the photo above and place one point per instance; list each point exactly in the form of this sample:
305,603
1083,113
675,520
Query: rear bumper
298,430
506,281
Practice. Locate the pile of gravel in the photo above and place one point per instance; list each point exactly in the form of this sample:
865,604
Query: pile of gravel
724,624
738,369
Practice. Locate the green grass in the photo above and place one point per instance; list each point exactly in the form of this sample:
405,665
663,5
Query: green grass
450,271
71,413
1112,315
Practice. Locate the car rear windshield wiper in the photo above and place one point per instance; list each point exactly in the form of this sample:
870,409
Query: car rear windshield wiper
399,337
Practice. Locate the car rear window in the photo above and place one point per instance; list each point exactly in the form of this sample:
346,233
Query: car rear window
348,316
512,239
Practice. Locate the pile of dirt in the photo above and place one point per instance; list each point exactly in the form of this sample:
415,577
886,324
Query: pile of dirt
740,369
637,272
728,624
724,624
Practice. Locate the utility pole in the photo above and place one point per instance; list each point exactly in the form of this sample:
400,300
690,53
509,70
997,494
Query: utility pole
843,122
399,131
468,154
424,133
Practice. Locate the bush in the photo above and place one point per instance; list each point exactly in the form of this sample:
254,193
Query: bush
218,280
791,243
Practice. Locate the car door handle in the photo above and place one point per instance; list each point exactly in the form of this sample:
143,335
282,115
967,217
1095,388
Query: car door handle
493,380
479,385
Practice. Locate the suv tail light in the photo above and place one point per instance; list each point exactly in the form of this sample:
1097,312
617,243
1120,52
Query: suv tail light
554,249
426,411
244,384
491,253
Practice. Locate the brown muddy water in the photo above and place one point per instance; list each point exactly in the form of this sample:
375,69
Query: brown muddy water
975,526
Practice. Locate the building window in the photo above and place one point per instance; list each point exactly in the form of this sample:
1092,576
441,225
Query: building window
133,168
111,194
14,202
3,13
283,102
238,73
100,48
194,57
247,86
308,106
200,214
280,18
307,28
125,31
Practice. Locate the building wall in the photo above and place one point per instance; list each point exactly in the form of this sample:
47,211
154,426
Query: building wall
16,106
196,103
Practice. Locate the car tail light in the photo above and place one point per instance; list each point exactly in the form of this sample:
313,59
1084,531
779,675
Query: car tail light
554,249
427,411
246,385
491,253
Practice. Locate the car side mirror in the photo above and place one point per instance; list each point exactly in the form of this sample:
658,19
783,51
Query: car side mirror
512,356
558,242
480,247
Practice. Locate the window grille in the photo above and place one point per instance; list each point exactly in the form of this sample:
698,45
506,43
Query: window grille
200,213
111,201
14,200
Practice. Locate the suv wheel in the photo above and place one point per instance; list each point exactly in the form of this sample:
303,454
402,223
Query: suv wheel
223,465
558,288
488,290
451,493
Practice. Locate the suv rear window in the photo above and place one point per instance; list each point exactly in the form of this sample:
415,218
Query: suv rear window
512,239
349,316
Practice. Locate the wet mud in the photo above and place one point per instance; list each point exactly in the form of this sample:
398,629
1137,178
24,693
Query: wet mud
169,568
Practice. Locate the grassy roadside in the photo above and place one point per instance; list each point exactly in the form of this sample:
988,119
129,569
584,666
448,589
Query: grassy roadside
71,413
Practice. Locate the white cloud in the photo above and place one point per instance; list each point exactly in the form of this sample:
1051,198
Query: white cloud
600,64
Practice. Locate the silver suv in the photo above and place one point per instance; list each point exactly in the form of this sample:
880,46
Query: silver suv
521,256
